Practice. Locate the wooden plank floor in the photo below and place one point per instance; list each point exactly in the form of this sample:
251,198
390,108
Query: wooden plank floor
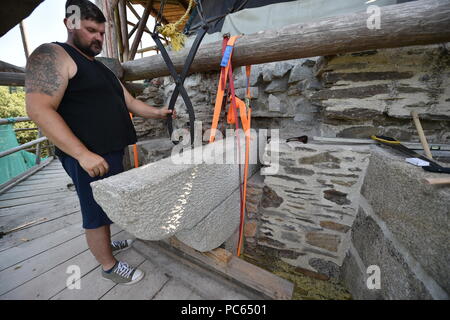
34,261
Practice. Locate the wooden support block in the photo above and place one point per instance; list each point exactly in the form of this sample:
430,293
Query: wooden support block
232,268
217,256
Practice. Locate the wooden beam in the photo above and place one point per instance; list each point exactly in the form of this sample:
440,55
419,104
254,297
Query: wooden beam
235,269
119,33
146,49
110,48
7,67
14,79
141,25
217,256
413,23
124,29
23,33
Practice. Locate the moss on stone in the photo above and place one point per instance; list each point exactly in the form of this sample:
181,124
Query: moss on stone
305,287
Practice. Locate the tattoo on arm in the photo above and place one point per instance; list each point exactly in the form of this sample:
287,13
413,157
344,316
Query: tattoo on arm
42,75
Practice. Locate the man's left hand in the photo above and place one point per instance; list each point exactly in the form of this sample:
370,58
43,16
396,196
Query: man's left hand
165,112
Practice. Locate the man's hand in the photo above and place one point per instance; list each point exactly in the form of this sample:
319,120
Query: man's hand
165,112
93,164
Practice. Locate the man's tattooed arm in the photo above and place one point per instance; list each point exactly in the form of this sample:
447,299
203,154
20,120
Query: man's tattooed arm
43,73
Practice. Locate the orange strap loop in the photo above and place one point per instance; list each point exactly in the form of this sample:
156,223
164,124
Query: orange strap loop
232,118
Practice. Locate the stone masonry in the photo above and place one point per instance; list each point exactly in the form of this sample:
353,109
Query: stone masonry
402,227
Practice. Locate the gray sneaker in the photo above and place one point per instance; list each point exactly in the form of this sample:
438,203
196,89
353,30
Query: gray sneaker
123,274
121,245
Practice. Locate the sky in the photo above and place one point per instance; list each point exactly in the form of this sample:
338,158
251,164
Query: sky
45,24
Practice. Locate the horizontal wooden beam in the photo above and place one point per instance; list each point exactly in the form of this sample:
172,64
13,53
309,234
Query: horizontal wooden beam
267,284
7,67
15,79
18,80
413,23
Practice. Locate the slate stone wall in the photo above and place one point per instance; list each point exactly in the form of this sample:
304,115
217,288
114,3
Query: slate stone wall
304,214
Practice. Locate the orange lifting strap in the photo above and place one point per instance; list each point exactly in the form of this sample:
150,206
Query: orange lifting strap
226,73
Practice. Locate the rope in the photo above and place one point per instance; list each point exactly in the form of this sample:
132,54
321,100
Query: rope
171,30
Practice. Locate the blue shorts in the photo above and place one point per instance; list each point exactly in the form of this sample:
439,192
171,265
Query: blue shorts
93,215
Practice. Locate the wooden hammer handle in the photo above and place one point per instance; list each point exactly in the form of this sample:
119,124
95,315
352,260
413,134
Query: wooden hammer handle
437,180
422,138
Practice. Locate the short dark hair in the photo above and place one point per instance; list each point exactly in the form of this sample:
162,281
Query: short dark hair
88,10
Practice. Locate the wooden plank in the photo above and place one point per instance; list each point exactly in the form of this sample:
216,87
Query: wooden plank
23,194
175,289
35,199
413,23
40,230
53,182
12,221
49,206
50,283
93,287
246,273
27,250
37,187
217,256
48,175
145,289
17,275
16,180
207,283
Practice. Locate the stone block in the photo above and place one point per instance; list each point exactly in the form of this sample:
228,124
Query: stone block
274,103
416,213
277,85
398,281
216,227
354,277
161,199
299,73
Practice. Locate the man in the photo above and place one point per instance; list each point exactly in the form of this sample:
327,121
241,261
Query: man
83,109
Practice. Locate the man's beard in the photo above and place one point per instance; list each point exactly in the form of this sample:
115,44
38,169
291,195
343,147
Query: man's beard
87,49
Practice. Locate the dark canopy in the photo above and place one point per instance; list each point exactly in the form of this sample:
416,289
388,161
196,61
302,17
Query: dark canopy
14,11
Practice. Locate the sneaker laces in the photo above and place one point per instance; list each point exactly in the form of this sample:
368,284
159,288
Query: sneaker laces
119,244
123,269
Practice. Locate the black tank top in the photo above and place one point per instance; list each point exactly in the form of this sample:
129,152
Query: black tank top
94,107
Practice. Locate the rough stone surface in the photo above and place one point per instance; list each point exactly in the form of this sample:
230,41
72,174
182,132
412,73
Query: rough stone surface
398,281
354,276
303,223
160,199
216,227
416,213
274,103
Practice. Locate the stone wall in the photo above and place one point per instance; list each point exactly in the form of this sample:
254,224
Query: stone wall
402,227
350,95
304,214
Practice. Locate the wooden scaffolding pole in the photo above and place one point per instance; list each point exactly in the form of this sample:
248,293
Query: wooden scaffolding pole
110,49
124,30
23,33
412,23
141,25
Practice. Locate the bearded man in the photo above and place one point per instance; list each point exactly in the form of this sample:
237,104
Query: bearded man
83,108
